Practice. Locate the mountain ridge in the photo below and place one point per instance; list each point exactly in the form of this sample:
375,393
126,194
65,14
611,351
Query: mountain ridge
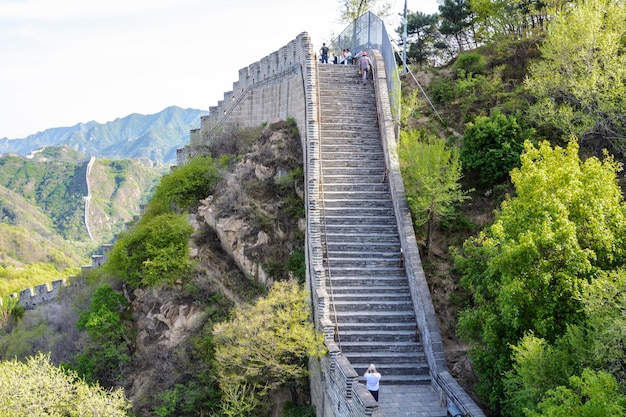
155,136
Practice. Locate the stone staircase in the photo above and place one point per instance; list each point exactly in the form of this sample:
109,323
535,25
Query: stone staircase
371,300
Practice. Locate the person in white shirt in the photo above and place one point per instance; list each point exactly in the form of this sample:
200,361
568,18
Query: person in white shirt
372,378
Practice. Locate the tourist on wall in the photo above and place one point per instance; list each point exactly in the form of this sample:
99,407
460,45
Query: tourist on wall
372,378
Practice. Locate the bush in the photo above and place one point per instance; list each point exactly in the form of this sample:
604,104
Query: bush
182,188
109,348
492,146
471,63
154,251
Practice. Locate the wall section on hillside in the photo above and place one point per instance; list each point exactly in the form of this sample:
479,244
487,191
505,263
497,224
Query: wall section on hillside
278,86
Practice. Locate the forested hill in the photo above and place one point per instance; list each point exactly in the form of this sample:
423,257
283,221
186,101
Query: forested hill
154,136
42,208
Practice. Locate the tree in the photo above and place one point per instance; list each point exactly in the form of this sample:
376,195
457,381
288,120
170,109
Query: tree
593,394
38,388
456,21
109,347
596,343
431,172
526,273
492,146
421,36
265,345
156,250
580,82
351,9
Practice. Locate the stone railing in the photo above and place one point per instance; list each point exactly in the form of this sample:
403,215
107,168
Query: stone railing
447,387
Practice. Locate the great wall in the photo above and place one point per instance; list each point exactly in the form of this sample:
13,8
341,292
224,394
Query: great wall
285,84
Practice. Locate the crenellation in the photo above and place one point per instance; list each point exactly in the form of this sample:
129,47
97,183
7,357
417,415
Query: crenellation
31,297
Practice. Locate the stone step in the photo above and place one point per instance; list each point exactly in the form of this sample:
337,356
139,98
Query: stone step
338,263
389,316
358,154
375,287
384,327
359,282
351,172
392,245
361,228
343,203
366,336
369,296
388,305
364,253
349,348
352,163
376,177
415,365
347,238
380,219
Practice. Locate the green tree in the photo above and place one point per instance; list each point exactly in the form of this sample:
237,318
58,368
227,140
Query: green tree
265,346
595,343
38,388
351,9
527,271
109,347
421,36
156,250
181,189
456,21
431,172
593,394
492,146
580,82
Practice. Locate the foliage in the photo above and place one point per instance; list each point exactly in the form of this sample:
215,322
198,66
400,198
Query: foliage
471,63
421,36
527,271
589,395
297,266
492,146
495,20
595,343
456,21
154,251
265,346
10,312
182,188
110,337
38,388
579,82
292,410
431,172
351,9
17,279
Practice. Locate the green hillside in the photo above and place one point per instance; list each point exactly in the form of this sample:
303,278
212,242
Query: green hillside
42,207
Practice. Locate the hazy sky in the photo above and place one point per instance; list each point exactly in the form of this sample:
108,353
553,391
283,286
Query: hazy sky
68,61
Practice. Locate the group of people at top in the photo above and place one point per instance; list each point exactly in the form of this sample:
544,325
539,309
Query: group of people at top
362,60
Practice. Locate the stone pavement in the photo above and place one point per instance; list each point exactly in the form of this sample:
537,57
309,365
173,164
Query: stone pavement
409,401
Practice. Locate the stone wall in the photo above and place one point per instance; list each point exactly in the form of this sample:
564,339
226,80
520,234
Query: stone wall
276,87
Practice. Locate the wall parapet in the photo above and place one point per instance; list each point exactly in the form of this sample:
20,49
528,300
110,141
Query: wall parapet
272,88
42,293
448,388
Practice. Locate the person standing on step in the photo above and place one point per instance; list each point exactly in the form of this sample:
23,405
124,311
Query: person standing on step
324,52
364,65
372,378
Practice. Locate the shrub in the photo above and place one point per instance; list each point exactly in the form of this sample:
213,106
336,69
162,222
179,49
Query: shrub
471,62
182,188
492,146
154,251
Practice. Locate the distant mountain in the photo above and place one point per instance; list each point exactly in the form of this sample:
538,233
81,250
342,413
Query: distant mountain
154,136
